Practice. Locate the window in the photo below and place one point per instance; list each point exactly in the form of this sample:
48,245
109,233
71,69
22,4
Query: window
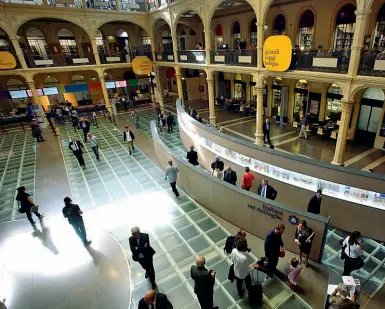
37,43
4,43
236,34
378,41
345,23
218,36
333,109
67,42
100,42
306,28
279,27
253,32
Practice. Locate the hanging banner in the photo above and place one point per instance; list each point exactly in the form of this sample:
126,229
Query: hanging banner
7,61
277,52
141,65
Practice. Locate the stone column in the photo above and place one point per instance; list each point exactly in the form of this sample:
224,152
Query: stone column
323,104
290,106
259,116
117,3
31,86
260,45
362,21
269,98
105,93
19,53
95,51
208,46
178,75
210,86
159,86
175,47
347,107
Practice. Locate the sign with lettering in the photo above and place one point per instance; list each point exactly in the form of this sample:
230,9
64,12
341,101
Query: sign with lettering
277,52
7,61
270,211
141,65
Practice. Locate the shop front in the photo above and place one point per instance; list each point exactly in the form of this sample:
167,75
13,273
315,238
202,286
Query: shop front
300,100
333,106
239,87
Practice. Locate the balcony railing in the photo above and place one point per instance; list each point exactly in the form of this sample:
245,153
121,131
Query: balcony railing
58,60
66,3
333,61
123,57
372,62
165,56
192,56
247,58
30,2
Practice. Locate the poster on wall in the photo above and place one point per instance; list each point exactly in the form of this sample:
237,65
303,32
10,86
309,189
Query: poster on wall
314,107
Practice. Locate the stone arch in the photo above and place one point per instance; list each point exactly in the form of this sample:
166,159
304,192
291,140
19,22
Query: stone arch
98,25
158,18
184,10
273,19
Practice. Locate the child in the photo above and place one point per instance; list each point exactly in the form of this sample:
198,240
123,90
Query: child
295,271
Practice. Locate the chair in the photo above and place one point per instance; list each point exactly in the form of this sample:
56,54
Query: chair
295,124
308,129
334,134
320,131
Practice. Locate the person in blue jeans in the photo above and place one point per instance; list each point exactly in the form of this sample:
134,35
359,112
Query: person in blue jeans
74,215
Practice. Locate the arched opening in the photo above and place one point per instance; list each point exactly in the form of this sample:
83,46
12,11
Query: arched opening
306,30
300,99
279,25
370,115
163,41
345,23
5,45
120,42
218,36
236,34
253,33
37,43
333,106
19,96
239,87
67,42
378,38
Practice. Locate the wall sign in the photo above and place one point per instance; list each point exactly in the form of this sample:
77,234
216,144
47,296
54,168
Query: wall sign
141,65
7,61
277,52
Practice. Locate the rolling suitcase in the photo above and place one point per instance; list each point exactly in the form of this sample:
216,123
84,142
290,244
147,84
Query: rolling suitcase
255,293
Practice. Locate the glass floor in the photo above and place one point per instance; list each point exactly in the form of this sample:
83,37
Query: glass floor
372,275
134,188
17,168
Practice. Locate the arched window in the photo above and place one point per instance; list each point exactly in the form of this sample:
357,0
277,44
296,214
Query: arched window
15,84
253,32
219,36
108,77
378,41
37,43
79,79
333,109
100,41
67,42
236,32
374,94
345,23
51,81
306,29
279,27
4,42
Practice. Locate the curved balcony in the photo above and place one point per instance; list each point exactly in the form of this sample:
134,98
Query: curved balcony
246,58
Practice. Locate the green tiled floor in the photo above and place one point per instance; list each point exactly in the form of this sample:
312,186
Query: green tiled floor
17,168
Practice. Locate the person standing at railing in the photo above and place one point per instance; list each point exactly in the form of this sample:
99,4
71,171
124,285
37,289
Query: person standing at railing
243,44
199,46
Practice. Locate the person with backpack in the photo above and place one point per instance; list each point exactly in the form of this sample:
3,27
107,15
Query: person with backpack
27,206
129,137
74,215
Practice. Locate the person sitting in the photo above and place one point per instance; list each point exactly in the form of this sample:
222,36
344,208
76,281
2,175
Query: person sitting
338,299
154,300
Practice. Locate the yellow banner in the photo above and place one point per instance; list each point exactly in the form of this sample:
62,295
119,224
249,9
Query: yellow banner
142,66
277,52
7,61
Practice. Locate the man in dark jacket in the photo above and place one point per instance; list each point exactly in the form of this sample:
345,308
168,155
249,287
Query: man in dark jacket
192,156
267,191
218,163
143,253
154,300
230,176
266,131
273,245
314,205
77,150
129,138
170,122
203,283
85,126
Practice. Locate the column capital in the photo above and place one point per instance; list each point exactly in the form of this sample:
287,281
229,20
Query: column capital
259,90
363,12
347,106
30,84
210,81
101,78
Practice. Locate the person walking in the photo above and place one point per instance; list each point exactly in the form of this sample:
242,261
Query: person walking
170,122
352,249
247,179
94,145
314,205
204,281
267,191
218,163
36,131
266,131
192,156
241,266
129,137
143,253
77,149
230,176
27,206
74,215
154,301
274,246
303,131
171,174
303,237
85,126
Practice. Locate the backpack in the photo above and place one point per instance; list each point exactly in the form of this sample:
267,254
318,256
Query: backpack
229,244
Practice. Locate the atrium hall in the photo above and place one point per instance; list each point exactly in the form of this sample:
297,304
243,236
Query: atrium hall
97,97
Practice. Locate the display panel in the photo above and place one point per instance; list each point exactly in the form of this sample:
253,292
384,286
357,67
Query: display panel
50,91
339,191
18,94
120,83
110,85
40,92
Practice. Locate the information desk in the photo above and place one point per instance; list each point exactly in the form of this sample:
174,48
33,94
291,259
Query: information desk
354,199
253,213
12,120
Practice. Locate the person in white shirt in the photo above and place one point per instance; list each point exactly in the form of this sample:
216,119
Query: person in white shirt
171,174
94,145
129,137
352,246
241,266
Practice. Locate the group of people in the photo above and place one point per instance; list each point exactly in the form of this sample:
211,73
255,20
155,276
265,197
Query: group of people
194,114
165,120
